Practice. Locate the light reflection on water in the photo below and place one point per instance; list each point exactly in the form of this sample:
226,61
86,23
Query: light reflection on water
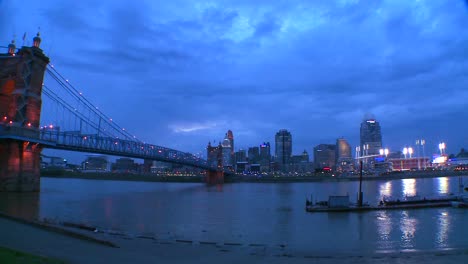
443,185
443,221
251,213
408,227
409,187
385,189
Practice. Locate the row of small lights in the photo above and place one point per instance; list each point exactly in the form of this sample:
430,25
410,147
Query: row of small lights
11,121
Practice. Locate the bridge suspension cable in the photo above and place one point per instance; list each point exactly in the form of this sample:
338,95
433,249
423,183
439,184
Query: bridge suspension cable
102,122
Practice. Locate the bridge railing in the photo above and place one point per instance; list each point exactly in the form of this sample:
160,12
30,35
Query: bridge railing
8,130
75,141
114,146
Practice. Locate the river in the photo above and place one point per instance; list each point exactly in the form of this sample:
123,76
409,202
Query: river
252,213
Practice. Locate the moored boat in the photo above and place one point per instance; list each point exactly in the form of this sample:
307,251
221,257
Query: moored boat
418,200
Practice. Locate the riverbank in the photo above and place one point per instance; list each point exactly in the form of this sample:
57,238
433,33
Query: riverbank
252,178
13,256
145,249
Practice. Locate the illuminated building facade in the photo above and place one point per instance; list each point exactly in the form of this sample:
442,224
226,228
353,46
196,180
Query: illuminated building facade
344,161
402,164
227,152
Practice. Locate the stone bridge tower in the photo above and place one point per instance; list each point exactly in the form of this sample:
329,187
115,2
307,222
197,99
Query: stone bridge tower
215,160
21,79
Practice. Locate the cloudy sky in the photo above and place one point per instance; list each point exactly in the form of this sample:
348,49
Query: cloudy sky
181,73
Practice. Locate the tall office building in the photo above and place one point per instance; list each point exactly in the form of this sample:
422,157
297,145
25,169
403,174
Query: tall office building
265,157
265,153
371,137
324,156
283,148
227,152
230,136
240,155
253,154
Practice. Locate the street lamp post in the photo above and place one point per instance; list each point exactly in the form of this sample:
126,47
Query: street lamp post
410,151
423,142
418,142
405,151
384,151
442,148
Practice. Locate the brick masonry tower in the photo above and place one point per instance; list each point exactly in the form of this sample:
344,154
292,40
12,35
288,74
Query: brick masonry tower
21,78
215,160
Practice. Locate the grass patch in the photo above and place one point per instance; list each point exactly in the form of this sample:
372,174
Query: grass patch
10,256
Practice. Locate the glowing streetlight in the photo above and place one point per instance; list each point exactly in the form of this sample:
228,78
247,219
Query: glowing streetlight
405,151
442,148
384,152
410,151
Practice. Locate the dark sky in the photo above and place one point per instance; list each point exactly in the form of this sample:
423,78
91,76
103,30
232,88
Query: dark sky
181,73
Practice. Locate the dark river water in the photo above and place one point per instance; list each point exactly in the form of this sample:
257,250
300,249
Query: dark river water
252,213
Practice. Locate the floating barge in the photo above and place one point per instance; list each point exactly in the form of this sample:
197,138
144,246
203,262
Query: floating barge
341,204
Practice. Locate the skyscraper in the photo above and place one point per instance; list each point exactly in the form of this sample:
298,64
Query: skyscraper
371,137
283,148
265,157
227,152
230,136
254,154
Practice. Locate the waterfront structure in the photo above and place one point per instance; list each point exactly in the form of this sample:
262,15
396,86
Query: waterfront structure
405,164
21,79
125,165
283,148
370,137
96,163
53,162
324,156
300,163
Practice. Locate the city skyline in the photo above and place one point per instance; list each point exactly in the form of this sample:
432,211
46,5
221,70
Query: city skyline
225,66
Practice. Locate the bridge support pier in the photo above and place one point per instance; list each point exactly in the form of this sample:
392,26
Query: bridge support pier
214,177
20,165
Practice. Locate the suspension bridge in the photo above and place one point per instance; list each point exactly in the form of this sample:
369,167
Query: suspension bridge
76,125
